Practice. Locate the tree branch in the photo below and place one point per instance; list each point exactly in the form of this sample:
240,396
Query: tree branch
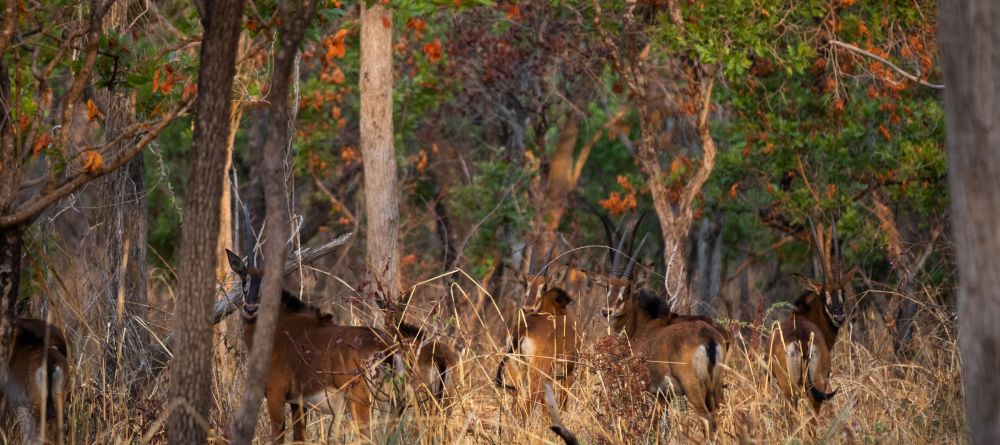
895,68
36,206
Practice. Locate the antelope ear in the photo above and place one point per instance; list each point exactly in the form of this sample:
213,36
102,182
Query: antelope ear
846,278
807,283
594,278
563,299
236,263
558,275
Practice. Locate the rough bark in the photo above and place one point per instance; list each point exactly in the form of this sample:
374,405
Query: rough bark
381,193
10,237
295,18
122,232
970,54
196,288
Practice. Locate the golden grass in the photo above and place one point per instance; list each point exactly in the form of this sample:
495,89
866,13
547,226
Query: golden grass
881,400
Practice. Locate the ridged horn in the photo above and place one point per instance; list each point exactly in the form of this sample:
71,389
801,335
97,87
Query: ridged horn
251,241
836,251
617,265
819,249
633,260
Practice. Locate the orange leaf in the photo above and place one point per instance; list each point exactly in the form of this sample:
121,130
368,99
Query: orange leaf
733,190
40,143
338,76
433,50
335,112
386,22
156,80
92,161
92,111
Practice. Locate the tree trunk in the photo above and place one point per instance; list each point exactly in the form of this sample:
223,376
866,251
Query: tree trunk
295,18
970,58
191,374
381,206
123,236
10,237
10,280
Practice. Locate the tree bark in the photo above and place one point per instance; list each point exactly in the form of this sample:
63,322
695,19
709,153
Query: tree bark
122,232
295,19
196,288
970,54
381,194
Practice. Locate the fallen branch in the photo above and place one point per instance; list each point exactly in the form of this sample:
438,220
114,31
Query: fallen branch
895,68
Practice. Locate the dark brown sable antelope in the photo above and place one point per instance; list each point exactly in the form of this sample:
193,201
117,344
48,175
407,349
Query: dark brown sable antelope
38,377
316,364
543,343
801,346
683,354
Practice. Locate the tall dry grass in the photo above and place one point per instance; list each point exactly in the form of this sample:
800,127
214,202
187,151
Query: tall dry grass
881,399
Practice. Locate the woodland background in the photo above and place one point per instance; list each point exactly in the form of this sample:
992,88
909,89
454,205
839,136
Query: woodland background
514,127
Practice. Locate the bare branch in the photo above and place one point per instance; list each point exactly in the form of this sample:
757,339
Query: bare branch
895,68
29,210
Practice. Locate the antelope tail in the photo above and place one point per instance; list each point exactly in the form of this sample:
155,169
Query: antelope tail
499,380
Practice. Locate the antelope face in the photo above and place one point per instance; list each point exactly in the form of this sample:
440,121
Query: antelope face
833,304
249,282
534,287
617,299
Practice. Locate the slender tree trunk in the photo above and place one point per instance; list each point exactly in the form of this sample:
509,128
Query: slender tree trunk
295,18
191,374
123,235
970,54
381,193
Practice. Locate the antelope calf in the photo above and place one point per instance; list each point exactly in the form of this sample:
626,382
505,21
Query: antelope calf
683,353
37,380
434,361
544,343
802,345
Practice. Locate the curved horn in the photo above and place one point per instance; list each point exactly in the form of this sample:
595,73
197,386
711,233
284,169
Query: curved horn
619,257
635,231
609,227
836,251
552,249
633,260
819,249
251,241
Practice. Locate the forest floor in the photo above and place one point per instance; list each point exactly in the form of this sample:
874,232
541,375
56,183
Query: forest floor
880,399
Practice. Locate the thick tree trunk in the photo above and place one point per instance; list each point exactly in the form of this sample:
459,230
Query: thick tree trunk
381,193
295,18
196,288
970,54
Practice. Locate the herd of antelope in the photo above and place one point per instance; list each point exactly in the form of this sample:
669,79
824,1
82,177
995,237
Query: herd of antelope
319,365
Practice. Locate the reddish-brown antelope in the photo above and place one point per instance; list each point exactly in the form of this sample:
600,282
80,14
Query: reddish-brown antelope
802,345
37,380
316,364
684,354
543,344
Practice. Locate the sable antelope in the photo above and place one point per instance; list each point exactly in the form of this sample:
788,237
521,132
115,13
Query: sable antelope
315,364
801,346
544,342
38,376
683,354
434,363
